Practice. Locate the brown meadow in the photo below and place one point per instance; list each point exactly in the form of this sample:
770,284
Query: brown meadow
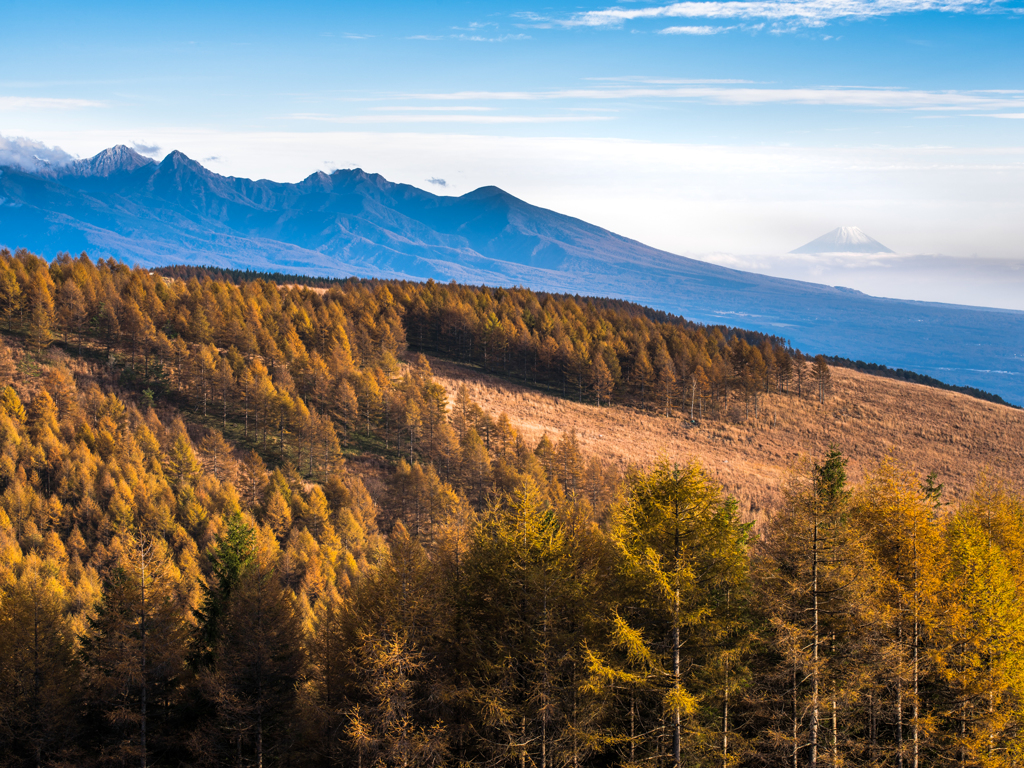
868,418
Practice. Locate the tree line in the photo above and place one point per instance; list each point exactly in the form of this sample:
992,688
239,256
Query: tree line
875,369
598,350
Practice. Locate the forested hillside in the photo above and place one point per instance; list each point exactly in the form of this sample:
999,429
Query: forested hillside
599,350
557,339
240,524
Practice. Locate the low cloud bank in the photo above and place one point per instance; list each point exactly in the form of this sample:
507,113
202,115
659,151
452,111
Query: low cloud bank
29,155
975,281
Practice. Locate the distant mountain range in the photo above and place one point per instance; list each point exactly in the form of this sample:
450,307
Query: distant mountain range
843,240
350,222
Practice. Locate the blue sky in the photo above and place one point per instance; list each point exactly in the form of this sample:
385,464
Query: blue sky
733,131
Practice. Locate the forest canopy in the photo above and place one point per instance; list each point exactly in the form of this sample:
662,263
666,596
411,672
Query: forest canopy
241,523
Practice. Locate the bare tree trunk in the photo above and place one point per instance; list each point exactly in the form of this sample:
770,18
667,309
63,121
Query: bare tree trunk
835,729
917,641
544,739
872,746
522,748
917,708
962,728
899,697
835,710
677,720
725,719
544,699
632,728
815,702
796,723
725,702
142,617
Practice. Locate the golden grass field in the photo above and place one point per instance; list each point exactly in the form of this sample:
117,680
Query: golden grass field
868,418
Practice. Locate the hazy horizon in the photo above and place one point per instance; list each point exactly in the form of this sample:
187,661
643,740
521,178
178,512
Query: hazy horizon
702,129
971,281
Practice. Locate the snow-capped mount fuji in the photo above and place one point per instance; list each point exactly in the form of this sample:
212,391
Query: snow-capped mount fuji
351,222
844,240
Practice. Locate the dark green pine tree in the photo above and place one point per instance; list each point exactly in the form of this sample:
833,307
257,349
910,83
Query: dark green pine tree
230,559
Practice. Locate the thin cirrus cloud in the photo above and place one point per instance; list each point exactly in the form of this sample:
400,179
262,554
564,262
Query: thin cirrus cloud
36,102
648,80
840,96
705,30
473,38
460,108
803,12
444,117
496,39
145,149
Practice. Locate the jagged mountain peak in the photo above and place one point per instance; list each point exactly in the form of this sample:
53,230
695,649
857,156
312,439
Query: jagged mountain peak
844,240
116,159
353,176
177,158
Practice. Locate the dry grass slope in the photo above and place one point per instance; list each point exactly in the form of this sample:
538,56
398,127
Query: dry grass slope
867,417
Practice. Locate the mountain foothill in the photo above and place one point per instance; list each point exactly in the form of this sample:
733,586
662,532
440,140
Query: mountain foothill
243,521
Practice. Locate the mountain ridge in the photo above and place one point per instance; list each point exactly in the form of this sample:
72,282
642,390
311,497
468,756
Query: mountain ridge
117,159
352,222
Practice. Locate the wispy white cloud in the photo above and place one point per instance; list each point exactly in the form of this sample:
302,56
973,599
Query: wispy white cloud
803,12
705,30
37,102
475,26
473,38
420,117
647,80
146,149
855,96
460,108
496,39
